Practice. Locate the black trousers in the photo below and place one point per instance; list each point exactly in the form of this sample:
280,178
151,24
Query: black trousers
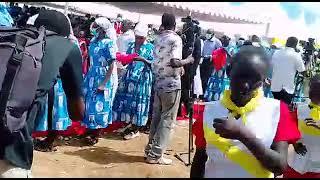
185,99
283,96
206,69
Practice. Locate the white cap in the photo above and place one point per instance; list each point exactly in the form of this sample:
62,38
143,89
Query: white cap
141,30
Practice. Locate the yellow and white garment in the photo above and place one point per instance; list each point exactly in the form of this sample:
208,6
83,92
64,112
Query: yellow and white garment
310,162
231,158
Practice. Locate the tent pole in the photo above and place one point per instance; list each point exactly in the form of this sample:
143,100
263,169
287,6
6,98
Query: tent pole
66,7
267,29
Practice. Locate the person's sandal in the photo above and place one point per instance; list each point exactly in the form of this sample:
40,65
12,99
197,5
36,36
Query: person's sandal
123,129
126,132
91,141
44,146
146,131
132,135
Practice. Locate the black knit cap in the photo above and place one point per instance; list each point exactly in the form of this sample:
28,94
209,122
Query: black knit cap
54,21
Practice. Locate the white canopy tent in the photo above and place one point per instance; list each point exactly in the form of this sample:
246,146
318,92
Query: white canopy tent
260,18
219,19
267,18
217,9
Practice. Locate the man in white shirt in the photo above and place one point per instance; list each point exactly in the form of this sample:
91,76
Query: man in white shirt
286,62
127,36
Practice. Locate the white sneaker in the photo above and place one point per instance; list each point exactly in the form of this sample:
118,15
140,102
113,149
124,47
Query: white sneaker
131,135
161,161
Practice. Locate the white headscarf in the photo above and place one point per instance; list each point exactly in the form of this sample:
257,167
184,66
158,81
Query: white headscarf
107,27
141,30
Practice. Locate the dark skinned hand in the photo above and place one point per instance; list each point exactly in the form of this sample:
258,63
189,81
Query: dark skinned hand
141,59
173,63
178,63
228,129
313,123
300,148
267,82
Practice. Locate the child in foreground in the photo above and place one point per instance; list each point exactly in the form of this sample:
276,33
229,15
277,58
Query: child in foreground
245,134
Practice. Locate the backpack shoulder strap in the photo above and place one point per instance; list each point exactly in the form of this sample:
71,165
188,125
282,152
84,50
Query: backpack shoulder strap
13,65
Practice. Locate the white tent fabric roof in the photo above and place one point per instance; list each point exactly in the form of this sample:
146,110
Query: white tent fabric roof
280,25
112,11
223,9
266,12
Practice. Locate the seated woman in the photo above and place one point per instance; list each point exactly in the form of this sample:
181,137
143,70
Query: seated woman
100,81
132,99
245,134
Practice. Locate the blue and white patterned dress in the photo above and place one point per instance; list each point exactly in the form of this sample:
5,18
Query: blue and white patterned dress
99,104
217,84
132,101
60,119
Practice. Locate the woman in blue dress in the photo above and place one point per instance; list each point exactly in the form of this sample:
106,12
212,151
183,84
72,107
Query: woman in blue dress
101,80
60,116
132,100
60,120
219,81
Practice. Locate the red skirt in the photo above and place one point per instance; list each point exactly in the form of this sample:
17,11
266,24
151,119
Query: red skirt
291,173
77,129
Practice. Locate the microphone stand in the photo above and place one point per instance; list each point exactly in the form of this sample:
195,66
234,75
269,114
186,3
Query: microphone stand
181,156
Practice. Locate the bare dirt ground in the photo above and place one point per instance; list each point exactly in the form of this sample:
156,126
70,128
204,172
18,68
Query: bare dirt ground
111,157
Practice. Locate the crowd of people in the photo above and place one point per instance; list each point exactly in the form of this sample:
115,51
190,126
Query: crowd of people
101,72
